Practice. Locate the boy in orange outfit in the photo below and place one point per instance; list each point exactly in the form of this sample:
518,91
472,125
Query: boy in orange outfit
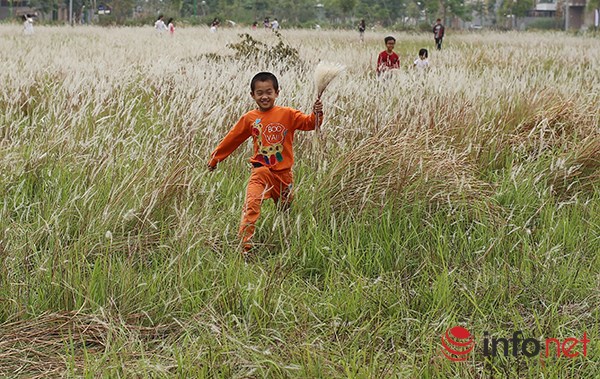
272,130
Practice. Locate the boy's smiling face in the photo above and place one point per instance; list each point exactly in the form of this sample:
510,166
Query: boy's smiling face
264,94
390,45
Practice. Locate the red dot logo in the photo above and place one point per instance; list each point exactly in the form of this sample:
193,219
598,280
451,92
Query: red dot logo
457,343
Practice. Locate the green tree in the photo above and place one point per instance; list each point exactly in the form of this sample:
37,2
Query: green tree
346,6
121,9
518,8
455,8
43,6
431,9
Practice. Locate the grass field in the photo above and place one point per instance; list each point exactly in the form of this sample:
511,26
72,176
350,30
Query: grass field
467,195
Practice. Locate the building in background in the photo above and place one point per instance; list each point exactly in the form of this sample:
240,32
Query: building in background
16,9
571,14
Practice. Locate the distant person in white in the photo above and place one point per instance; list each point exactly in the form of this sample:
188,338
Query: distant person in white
275,25
27,25
159,25
214,25
422,62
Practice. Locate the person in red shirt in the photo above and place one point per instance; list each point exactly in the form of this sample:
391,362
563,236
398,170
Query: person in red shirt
387,59
272,130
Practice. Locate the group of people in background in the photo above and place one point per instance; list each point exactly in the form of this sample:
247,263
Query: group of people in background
438,32
389,60
267,24
161,27
386,58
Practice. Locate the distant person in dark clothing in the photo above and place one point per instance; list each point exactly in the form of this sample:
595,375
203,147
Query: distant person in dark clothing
361,30
438,33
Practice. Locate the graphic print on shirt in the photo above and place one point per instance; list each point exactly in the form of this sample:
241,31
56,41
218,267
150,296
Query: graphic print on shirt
270,141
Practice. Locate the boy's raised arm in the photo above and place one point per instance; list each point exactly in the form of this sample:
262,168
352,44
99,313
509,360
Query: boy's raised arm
309,122
238,134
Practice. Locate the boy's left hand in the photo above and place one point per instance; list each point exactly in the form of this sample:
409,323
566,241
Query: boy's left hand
318,107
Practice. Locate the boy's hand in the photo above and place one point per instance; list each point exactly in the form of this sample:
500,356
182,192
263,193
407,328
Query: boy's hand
318,107
211,168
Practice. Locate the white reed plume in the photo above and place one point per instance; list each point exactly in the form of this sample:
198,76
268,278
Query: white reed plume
324,74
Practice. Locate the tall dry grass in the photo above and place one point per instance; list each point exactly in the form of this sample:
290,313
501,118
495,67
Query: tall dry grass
433,198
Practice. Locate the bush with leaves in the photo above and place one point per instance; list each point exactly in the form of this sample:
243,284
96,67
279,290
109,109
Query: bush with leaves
251,49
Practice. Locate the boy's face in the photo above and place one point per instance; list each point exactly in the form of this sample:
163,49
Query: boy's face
390,45
422,56
264,94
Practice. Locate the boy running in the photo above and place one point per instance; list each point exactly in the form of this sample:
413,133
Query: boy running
272,130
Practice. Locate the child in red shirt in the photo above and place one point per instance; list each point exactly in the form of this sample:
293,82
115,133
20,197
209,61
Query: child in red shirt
272,130
387,59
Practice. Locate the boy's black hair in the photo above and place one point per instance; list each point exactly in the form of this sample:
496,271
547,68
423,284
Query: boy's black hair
264,77
423,52
389,38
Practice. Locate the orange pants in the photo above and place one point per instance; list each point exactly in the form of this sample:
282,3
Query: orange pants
263,184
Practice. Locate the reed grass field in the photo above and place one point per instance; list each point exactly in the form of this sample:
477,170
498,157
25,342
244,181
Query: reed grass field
467,195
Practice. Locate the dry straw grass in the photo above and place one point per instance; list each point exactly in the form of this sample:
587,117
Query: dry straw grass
578,172
393,168
35,348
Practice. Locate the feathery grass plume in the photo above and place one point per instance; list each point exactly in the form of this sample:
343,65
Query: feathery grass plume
324,74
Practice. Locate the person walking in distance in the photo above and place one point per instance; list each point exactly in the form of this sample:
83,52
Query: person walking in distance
27,25
171,26
438,33
214,25
361,30
275,25
159,25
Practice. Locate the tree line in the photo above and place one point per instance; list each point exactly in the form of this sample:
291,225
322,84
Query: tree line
387,13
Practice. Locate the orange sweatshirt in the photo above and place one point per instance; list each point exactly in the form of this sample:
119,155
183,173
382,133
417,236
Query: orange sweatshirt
272,133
